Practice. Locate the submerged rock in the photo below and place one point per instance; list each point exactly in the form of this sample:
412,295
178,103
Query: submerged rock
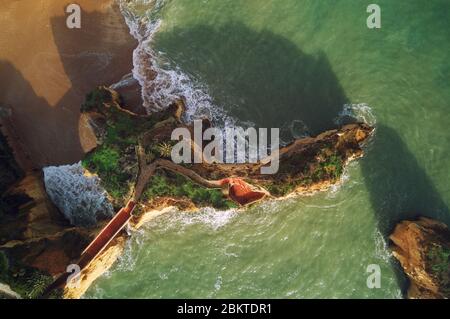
423,249
79,197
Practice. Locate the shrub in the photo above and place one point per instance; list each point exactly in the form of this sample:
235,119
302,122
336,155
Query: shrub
103,160
439,258
94,99
28,282
331,167
179,186
31,283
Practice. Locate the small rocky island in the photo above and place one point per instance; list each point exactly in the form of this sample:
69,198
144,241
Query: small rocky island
64,208
423,249
130,154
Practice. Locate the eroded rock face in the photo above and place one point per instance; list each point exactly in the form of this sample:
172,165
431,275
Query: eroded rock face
79,197
423,250
96,268
91,129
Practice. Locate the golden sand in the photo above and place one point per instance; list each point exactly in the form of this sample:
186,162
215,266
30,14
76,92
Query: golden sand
46,69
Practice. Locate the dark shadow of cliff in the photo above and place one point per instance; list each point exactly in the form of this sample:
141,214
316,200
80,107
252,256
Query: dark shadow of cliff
98,53
399,187
34,116
257,75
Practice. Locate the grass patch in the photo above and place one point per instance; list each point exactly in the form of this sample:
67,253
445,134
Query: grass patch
175,185
114,160
331,167
94,99
104,161
281,189
439,258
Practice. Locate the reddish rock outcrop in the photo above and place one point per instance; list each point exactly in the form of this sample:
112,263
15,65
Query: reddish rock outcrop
423,249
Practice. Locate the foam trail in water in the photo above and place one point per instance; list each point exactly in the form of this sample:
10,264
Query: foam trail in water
160,83
382,250
215,219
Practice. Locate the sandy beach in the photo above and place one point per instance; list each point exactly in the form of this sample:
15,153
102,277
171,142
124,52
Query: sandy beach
46,69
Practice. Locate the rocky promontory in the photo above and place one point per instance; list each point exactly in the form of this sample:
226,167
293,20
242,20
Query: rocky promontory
132,159
423,249
129,160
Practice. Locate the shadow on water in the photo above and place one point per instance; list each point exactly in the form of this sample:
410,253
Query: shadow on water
41,131
258,76
399,188
46,121
266,79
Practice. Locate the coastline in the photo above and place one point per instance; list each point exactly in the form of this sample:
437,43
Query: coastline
51,68
46,71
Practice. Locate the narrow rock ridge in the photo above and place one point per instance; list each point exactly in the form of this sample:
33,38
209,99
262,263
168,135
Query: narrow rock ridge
322,157
128,158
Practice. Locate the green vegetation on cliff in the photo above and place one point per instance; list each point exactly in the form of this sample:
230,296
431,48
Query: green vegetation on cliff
105,162
28,282
330,168
439,259
174,185
128,141
321,164
116,163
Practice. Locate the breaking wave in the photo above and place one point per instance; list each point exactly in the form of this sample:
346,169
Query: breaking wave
161,82
210,217
360,112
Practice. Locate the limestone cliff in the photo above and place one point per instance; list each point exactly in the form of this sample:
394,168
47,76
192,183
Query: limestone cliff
423,249
128,158
36,241
132,151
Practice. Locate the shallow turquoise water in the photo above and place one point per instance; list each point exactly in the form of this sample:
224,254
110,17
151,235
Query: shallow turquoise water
294,64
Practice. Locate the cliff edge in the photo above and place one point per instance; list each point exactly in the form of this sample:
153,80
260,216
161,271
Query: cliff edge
423,249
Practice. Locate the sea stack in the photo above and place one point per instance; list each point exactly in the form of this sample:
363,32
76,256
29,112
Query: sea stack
423,249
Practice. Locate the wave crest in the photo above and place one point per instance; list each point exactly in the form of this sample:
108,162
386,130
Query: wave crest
162,83
360,112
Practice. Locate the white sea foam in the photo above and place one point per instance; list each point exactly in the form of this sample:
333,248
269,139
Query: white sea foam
210,217
218,283
161,80
126,80
382,250
361,112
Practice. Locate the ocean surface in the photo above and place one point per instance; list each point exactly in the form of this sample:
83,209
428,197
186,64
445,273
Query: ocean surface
300,65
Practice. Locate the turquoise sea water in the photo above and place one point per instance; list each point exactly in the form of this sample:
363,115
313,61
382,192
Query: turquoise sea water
294,64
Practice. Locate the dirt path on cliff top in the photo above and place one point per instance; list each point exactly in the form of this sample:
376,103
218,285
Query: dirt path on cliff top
46,70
